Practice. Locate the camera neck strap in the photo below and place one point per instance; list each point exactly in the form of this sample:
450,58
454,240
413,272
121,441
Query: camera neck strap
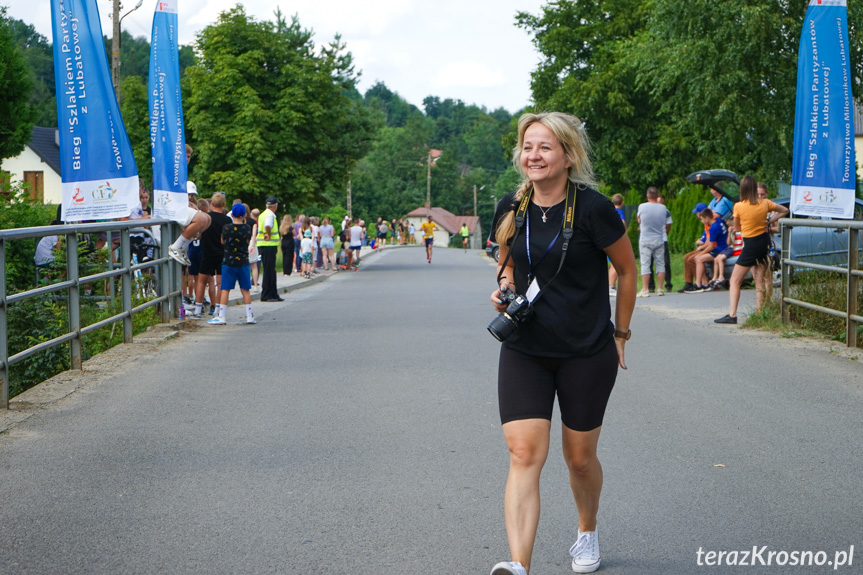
568,222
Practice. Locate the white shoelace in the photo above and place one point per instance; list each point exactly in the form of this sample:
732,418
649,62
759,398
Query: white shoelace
586,547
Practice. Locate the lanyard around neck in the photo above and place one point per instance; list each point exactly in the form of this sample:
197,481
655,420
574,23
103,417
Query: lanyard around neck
530,267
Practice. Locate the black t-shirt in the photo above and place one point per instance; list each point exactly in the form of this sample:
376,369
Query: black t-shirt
573,316
236,238
211,238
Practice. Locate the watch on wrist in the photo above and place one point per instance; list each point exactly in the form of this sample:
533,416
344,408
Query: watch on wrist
624,335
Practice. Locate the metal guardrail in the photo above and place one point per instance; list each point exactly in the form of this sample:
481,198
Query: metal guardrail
168,281
850,315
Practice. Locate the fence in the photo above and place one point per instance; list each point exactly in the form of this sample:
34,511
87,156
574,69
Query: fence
167,279
852,273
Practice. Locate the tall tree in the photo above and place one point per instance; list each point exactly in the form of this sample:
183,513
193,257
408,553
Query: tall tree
668,87
16,81
270,114
40,57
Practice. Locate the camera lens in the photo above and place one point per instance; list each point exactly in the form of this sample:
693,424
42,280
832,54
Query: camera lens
502,327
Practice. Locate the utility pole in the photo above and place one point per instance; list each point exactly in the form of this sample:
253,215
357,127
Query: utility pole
428,187
115,50
115,45
474,199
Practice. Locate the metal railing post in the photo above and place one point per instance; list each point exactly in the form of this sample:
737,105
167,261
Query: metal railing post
851,306
785,233
126,289
74,301
4,331
166,281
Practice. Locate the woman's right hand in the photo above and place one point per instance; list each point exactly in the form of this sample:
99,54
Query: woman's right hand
497,302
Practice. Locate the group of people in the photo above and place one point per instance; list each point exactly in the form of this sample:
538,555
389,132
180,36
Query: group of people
742,229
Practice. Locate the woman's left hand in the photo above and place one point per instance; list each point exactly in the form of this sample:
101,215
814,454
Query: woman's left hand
620,343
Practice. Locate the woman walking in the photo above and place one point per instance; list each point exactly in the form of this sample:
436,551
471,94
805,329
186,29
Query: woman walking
569,346
753,217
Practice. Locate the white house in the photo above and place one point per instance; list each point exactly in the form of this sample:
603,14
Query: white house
38,165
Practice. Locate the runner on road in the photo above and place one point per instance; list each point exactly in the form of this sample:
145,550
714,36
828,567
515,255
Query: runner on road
428,228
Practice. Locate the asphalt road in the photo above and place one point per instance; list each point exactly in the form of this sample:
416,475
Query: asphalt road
355,430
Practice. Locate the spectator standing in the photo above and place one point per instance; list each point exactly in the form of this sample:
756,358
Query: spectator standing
356,245
383,230
750,218
298,238
316,247
306,249
654,221
328,243
211,255
235,237
286,233
268,245
412,230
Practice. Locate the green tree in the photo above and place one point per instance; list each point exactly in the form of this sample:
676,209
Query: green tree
668,87
40,57
16,81
270,114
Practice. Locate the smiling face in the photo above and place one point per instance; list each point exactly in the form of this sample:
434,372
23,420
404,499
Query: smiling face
543,159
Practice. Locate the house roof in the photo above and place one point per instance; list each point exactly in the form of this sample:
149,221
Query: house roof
44,144
446,219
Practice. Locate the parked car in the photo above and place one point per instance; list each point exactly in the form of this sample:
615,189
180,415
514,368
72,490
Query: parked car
492,250
827,246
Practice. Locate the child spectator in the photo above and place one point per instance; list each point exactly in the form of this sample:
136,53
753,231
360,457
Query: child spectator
716,242
235,265
306,249
617,200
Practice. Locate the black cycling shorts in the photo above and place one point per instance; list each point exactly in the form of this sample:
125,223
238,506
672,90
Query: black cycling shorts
210,266
527,384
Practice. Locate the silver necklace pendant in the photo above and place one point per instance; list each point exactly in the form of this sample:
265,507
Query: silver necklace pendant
544,212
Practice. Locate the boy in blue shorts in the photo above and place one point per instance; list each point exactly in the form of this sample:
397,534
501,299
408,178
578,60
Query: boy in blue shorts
235,265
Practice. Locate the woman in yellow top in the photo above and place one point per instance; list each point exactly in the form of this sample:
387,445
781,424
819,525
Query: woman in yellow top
752,221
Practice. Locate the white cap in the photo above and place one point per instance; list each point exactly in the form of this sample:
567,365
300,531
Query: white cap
191,187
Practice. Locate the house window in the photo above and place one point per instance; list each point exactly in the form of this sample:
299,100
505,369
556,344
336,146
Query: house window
35,183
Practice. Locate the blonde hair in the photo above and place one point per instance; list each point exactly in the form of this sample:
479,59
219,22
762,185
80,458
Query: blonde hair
570,132
287,224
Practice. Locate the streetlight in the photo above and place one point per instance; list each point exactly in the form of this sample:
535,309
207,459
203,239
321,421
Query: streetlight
115,44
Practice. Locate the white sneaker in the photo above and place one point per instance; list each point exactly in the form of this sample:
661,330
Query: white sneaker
585,552
643,293
612,292
180,256
251,320
217,321
508,568
660,293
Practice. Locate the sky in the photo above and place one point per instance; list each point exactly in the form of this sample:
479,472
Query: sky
469,49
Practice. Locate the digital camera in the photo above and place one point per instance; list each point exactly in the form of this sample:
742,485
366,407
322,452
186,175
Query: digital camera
518,311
